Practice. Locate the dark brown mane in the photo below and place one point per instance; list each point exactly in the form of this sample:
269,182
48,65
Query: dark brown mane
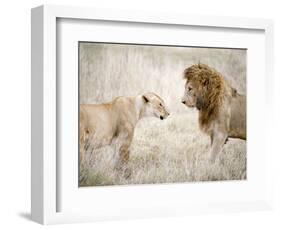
210,88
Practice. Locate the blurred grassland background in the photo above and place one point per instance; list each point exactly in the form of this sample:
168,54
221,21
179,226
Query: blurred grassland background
173,150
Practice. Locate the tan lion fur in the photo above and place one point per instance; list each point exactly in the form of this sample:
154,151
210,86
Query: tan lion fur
222,111
114,122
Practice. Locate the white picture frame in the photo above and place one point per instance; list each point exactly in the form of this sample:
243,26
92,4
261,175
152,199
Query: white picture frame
44,173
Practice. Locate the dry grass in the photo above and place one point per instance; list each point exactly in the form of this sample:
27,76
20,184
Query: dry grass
173,150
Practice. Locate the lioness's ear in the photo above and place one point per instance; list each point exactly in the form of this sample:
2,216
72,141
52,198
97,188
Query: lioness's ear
145,98
233,92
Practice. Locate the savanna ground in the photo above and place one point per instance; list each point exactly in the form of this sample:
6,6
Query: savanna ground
173,150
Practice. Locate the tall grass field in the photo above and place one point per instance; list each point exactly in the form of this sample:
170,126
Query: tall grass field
170,151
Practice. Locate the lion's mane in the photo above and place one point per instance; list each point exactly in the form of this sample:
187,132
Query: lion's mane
211,90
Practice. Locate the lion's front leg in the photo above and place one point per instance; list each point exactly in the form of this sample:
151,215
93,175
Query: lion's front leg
217,142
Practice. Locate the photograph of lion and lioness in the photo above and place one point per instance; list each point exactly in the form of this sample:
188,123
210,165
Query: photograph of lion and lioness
161,114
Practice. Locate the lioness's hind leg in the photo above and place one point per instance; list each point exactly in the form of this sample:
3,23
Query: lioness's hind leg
82,145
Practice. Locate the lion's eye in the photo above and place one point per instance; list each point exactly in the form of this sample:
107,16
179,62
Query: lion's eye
160,104
189,88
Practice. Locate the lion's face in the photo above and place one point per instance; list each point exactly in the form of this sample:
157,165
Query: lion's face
189,98
154,106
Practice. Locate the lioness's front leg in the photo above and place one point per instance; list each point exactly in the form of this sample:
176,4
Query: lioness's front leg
124,140
217,142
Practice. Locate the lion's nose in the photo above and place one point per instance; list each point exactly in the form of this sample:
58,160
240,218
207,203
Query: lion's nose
183,102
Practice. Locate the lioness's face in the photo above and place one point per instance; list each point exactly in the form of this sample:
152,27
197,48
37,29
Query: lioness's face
189,97
154,106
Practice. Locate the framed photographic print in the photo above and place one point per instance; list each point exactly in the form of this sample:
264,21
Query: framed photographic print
155,138
138,114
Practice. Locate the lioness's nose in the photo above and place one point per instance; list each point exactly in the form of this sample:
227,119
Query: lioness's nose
183,102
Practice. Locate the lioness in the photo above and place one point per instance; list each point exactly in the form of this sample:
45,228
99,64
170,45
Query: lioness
222,110
101,124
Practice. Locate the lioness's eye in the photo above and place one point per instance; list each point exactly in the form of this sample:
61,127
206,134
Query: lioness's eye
160,104
189,88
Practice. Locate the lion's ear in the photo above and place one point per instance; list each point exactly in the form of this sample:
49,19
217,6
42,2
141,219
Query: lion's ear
145,98
206,81
199,103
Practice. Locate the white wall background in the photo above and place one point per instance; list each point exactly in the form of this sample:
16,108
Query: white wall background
15,112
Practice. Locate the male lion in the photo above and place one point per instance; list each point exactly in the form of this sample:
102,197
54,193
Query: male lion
222,110
114,122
